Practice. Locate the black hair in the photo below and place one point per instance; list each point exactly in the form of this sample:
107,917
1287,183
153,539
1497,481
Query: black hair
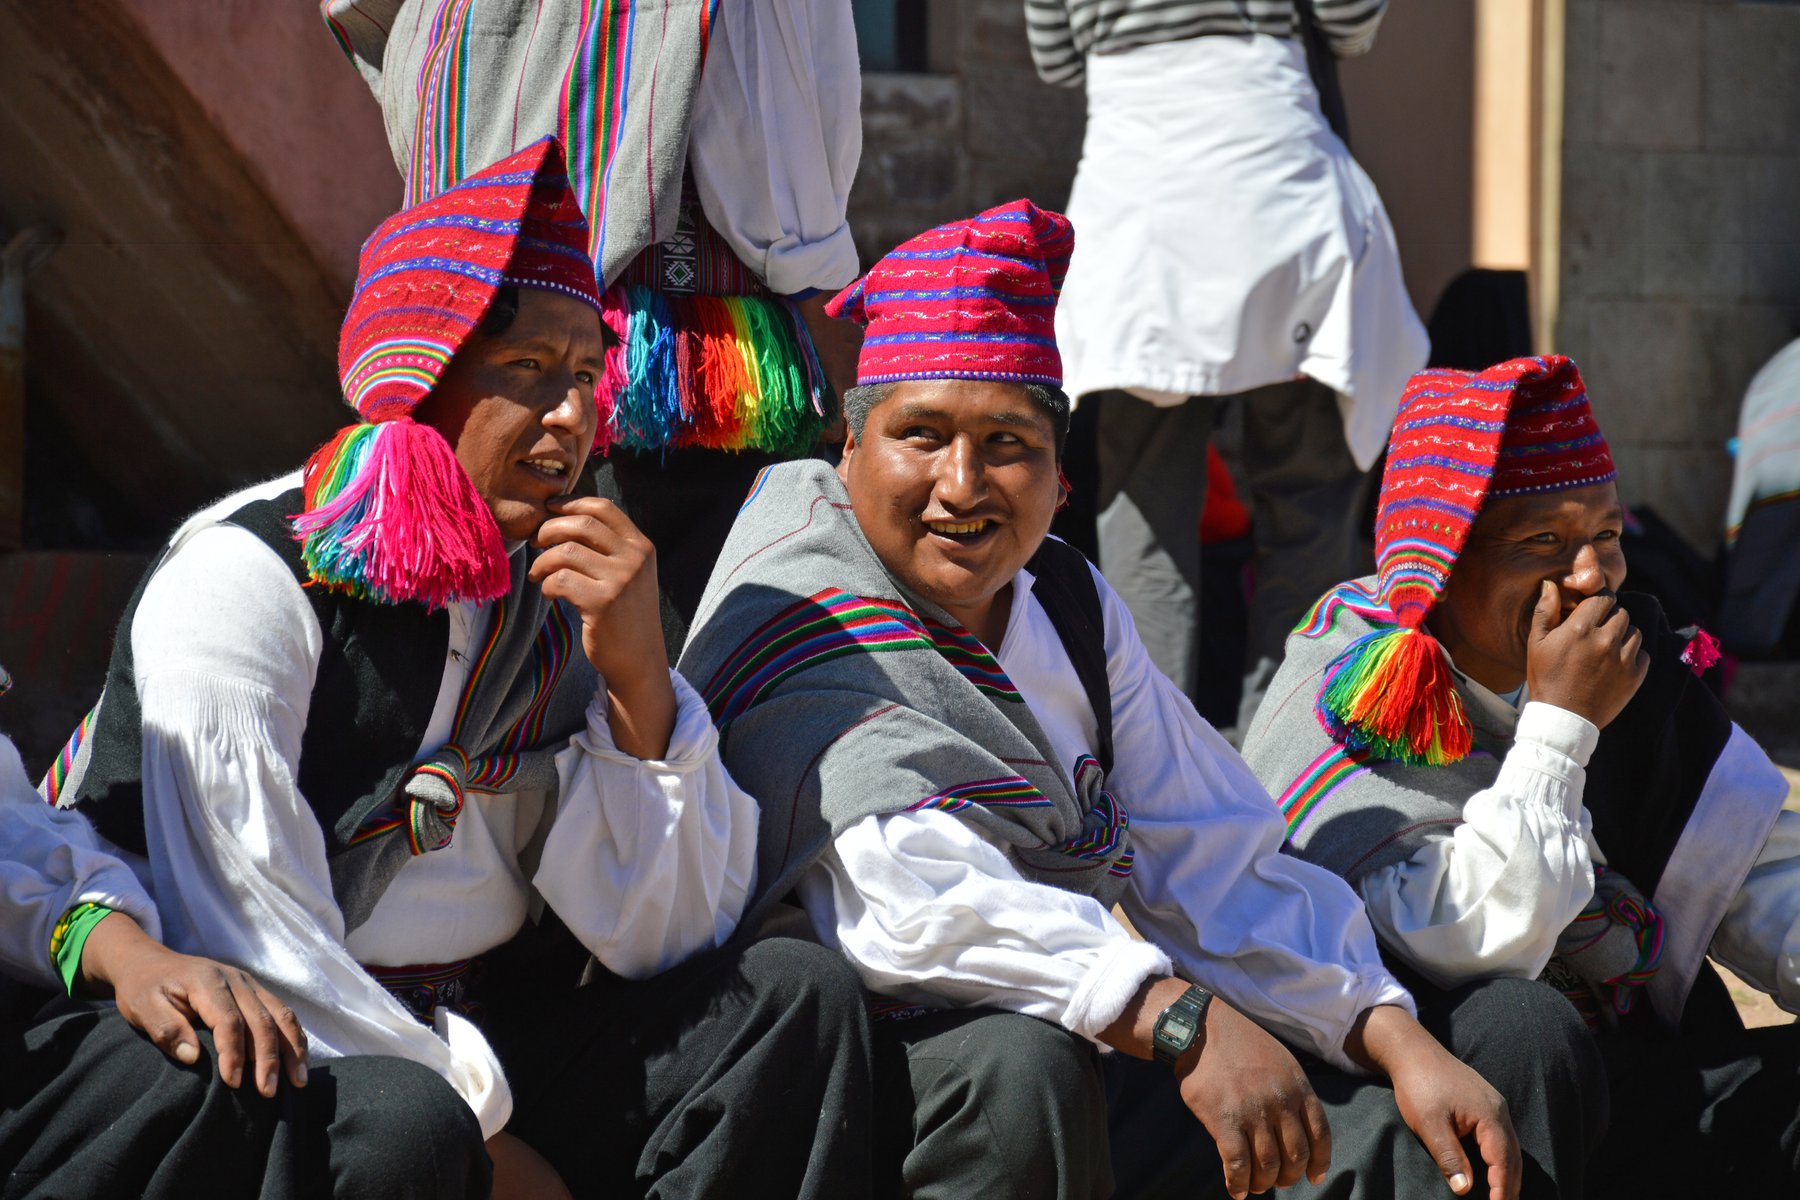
861,400
502,311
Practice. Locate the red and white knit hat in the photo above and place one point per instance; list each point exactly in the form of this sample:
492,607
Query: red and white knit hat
390,513
1460,439
973,299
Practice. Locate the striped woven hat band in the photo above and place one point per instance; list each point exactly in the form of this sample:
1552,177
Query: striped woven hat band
429,273
973,299
391,516
1460,438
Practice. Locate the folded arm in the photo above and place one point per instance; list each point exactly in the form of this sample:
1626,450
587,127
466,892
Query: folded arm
1491,898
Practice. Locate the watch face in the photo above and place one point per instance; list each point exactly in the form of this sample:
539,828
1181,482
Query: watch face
1178,1029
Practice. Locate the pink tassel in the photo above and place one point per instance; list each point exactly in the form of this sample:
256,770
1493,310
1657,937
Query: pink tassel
1701,652
392,516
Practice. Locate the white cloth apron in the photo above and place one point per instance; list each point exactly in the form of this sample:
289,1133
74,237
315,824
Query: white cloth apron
1225,239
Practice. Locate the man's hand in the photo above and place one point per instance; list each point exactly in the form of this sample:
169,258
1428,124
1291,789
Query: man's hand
1590,663
163,993
596,559
1441,1100
1244,1086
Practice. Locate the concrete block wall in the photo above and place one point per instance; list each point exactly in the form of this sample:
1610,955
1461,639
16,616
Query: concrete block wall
1680,241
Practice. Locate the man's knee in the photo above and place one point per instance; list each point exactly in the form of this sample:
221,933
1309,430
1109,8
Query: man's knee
1525,1037
398,1129
794,975
1008,1105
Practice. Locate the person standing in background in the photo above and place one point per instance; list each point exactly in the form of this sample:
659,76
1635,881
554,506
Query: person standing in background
716,252
1231,249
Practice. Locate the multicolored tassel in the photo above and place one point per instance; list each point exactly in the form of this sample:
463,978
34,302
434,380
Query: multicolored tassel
1391,694
718,372
392,516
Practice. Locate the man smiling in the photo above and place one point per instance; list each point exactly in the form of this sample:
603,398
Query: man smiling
1515,765
965,758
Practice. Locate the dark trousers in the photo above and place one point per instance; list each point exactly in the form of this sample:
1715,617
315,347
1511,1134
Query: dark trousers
1709,1112
975,1104
1305,496
684,501
90,1109
741,1073
1522,1037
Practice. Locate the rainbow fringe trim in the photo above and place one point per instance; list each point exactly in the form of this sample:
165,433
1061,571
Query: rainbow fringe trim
718,372
392,516
1391,695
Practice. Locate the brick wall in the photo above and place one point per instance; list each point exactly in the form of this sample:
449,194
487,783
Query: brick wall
1680,237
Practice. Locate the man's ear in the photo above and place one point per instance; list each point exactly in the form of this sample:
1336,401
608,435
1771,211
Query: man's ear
843,466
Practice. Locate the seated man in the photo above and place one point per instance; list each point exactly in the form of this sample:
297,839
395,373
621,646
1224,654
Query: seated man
1517,768
90,1109
363,722
960,794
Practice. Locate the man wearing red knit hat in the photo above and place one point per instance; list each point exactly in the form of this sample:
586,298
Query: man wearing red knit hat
1519,769
965,759
395,737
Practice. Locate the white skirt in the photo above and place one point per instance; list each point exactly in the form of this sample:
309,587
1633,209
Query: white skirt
1225,239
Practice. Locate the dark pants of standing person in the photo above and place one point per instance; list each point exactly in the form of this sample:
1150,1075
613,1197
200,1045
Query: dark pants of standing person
90,1109
974,1104
1305,494
741,1073
1524,1038
684,501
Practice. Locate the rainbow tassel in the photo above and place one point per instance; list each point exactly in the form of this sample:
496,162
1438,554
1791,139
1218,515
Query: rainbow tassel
718,372
392,516
1391,694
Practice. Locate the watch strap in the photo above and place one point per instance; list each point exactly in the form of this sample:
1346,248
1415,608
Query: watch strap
1179,1024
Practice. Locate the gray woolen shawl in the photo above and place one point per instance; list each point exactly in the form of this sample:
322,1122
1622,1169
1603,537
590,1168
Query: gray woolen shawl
840,696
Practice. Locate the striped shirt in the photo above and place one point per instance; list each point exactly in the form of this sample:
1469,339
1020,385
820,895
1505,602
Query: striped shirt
1064,32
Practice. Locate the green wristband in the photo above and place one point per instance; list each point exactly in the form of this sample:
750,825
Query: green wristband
68,938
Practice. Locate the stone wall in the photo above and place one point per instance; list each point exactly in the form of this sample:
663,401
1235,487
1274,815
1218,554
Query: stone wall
979,130
1680,240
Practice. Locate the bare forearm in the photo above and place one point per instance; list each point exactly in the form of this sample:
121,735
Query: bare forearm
641,714
1131,1033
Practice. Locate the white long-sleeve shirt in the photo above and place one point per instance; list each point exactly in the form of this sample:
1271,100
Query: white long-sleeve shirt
646,862
777,136
1491,898
931,911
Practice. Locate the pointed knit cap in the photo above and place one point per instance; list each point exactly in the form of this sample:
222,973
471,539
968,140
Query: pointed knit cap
1460,438
973,299
390,514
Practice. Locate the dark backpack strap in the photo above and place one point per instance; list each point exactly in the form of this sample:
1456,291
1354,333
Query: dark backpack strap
1065,587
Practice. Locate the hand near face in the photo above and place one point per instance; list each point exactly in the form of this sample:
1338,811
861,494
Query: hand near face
596,559
164,993
1590,662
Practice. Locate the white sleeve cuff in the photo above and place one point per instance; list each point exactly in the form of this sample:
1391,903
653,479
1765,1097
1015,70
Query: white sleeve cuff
1117,974
692,743
1558,729
826,264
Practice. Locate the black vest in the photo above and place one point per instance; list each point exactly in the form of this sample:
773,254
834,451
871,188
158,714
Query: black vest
377,683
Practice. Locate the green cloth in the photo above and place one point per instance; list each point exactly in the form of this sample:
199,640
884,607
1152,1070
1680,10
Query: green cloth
70,936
